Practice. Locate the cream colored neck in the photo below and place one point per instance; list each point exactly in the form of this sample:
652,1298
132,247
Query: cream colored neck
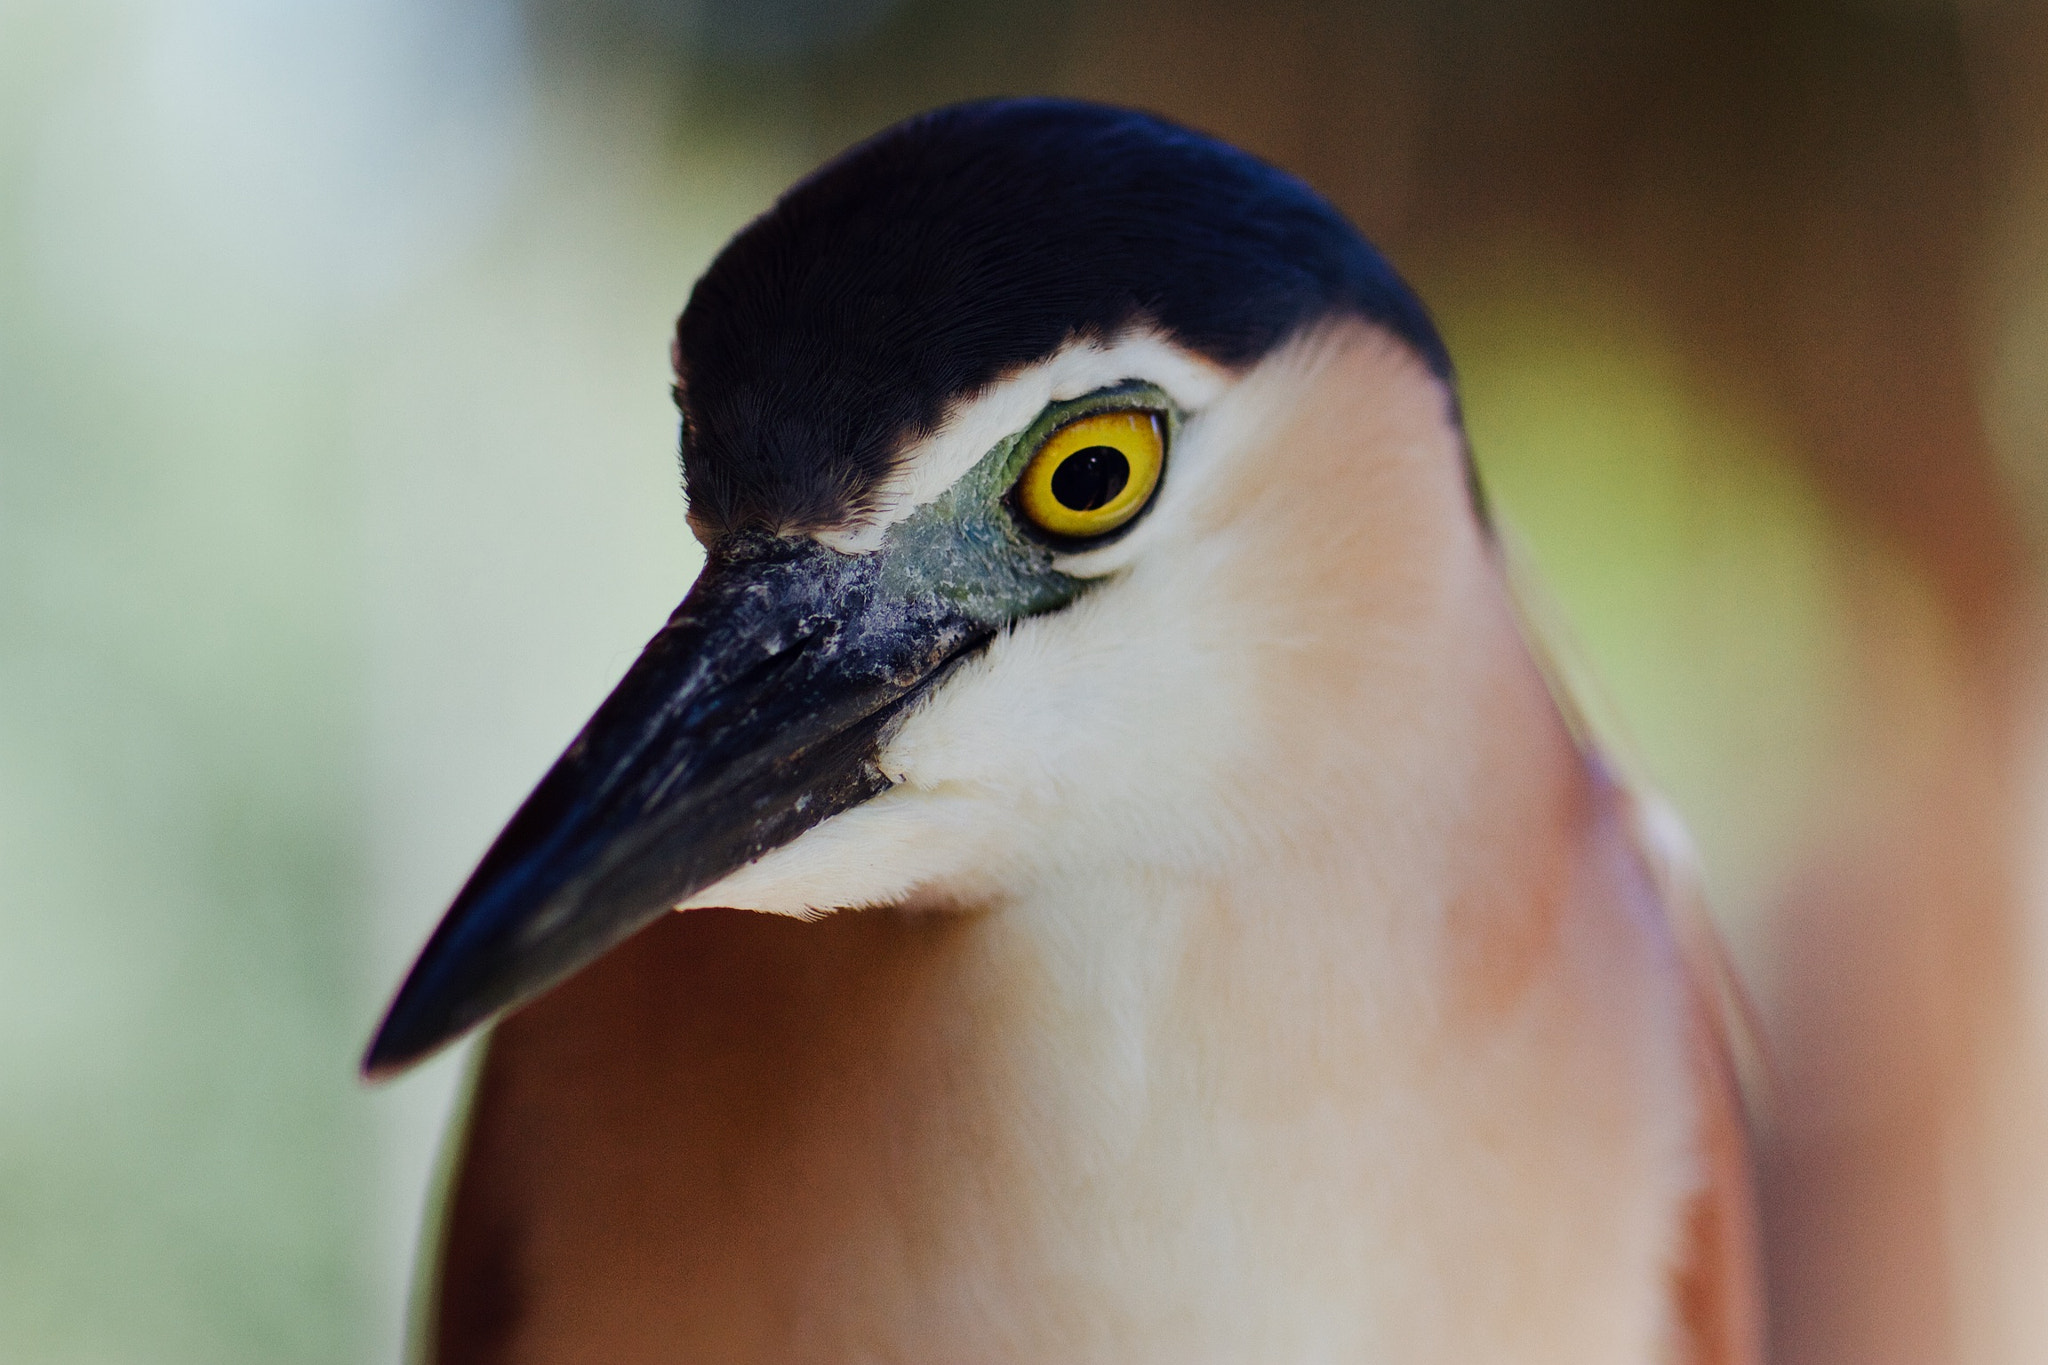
1380,1055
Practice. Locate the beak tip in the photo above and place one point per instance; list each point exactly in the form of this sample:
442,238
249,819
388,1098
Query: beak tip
407,1037
388,1055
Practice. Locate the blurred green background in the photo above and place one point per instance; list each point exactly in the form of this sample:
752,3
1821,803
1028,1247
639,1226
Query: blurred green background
337,485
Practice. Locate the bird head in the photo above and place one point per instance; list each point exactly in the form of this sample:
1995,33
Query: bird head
1025,454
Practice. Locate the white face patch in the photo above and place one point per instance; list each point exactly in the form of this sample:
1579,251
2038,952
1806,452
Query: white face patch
975,425
1265,664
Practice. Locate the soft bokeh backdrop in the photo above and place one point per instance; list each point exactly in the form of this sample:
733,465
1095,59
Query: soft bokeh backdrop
337,485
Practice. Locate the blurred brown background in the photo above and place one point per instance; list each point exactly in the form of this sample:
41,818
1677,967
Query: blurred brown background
336,485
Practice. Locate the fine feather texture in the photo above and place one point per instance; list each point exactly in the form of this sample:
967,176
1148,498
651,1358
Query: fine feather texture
1279,982
958,246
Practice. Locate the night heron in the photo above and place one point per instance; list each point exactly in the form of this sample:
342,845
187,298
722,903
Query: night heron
1194,930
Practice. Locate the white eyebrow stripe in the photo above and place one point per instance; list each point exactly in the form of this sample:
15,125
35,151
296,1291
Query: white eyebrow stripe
974,426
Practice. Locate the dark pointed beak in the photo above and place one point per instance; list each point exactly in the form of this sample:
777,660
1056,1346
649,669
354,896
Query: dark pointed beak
757,712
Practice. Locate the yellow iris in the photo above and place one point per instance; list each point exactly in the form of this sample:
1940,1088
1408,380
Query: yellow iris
1094,474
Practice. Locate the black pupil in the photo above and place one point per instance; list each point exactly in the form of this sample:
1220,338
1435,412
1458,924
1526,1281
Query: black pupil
1088,479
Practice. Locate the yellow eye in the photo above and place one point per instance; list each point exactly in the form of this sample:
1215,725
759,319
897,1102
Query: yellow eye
1093,475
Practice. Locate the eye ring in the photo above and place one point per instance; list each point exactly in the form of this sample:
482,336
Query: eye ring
1094,474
